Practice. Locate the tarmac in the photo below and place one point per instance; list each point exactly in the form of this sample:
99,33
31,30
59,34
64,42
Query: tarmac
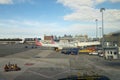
46,64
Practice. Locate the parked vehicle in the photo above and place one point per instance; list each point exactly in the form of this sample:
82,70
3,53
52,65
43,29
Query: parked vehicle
72,51
100,53
93,53
64,50
11,67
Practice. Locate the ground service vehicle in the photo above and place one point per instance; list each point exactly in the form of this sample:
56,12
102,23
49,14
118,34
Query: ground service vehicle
72,51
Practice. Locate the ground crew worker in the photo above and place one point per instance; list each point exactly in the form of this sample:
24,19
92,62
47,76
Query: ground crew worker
6,68
15,67
12,67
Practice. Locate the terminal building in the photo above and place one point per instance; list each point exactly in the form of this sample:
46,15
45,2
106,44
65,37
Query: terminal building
48,39
77,38
112,45
66,39
111,53
112,39
10,40
81,38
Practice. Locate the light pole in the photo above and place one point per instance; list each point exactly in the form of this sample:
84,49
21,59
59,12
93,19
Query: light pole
101,10
96,28
100,32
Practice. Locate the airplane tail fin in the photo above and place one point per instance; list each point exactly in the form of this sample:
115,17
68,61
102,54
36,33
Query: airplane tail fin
52,41
37,42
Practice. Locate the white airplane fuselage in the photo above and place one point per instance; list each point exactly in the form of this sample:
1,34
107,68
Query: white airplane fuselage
61,45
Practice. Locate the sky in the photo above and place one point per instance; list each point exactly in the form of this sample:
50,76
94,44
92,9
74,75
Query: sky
35,18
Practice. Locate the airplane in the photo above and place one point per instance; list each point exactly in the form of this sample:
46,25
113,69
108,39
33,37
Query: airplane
55,45
39,43
22,41
61,45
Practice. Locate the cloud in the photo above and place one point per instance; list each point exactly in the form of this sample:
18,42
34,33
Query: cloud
14,1
112,15
83,14
28,28
6,1
83,10
99,1
76,4
86,11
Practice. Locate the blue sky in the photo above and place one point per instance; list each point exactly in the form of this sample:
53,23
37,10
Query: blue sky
34,18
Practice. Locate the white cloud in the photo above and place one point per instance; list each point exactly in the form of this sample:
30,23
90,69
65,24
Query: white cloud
112,15
85,11
83,14
6,1
28,28
100,1
14,1
76,4
82,9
